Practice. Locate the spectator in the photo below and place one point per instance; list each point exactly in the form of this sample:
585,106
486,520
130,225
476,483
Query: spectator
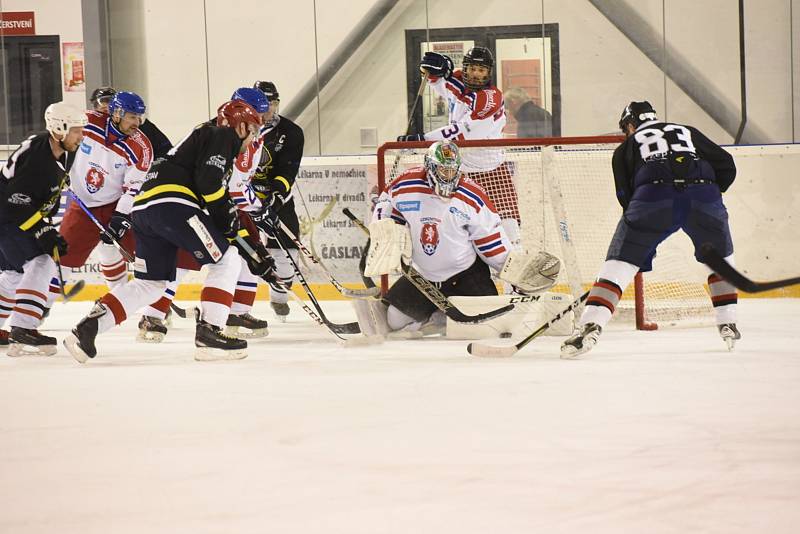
532,121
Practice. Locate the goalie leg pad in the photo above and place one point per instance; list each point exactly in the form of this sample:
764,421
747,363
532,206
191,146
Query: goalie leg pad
530,273
371,316
389,242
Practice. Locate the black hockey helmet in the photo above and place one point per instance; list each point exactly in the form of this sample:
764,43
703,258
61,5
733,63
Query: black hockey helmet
636,113
269,89
478,55
104,94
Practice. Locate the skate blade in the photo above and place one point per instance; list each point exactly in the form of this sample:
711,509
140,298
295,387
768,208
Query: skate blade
71,344
730,343
238,333
16,350
208,354
150,337
569,352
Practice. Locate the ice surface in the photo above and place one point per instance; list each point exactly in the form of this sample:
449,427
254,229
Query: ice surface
652,432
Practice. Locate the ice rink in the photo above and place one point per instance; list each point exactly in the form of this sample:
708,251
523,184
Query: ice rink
652,432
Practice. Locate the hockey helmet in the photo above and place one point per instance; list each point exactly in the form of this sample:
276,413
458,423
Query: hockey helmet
237,112
482,56
269,89
443,163
254,97
60,117
127,102
636,113
102,95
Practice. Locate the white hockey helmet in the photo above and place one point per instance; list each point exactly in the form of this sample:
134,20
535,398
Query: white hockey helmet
60,117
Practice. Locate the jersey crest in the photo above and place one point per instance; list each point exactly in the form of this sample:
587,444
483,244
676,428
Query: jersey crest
429,237
94,180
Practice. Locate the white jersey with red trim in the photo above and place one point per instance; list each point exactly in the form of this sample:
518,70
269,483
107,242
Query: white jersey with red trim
446,233
239,187
473,115
109,166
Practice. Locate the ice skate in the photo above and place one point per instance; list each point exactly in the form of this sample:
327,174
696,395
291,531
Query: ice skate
80,343
581,341
281,310
3,338
151,330
30,342
246,326
730,334
212,344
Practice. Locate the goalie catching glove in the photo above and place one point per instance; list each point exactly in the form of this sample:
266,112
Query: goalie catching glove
528,273
389,243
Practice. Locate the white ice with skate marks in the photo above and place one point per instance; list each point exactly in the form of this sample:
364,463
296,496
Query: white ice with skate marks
657,432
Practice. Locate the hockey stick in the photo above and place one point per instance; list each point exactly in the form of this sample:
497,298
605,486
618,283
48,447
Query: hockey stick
346,328
717,263
75,289
422,84
432,293
479,349
351,293
319,318
103,230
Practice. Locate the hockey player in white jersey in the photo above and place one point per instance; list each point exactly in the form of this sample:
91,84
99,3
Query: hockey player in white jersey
108,172
477,111
448,228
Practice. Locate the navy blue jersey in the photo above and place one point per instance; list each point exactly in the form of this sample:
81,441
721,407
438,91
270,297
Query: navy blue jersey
31,182
280,159
661,152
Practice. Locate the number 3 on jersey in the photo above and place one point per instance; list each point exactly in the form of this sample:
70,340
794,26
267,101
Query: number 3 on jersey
655,142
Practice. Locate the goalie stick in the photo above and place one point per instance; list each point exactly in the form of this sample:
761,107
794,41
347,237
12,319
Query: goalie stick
350,293
480,349
717,263
432,292
103,230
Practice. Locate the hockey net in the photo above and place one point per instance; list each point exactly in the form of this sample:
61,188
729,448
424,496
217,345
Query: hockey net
560,191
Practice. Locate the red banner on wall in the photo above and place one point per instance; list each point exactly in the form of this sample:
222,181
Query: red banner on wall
17,23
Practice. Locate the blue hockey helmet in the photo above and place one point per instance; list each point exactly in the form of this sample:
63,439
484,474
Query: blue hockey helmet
254,97
127,102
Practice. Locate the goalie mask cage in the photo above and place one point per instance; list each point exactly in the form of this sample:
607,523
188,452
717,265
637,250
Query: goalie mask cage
560,193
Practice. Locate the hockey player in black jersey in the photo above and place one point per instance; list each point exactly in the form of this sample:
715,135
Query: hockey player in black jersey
272,183
668,177
30,190
184,203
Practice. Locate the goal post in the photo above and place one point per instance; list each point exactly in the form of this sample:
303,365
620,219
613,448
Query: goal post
558,194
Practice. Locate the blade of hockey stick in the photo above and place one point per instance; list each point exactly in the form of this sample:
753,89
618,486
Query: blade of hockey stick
66,295
432,292
492,351
350,293
76,288
717,263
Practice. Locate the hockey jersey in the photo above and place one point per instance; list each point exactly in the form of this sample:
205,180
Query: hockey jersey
31,182
109,166
446,233
239,185
473,115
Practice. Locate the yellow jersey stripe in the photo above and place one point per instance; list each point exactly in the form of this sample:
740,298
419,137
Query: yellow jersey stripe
166,188
33,219
284,181
216,195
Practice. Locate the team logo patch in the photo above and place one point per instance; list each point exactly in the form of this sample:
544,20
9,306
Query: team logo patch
94,180
19,199
429,237
217,161
408,205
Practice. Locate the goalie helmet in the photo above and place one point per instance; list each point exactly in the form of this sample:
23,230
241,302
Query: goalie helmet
257,99
481,56
443,163
636,113
60,117
237,112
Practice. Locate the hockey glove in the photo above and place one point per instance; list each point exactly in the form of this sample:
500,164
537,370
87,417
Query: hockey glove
436,65
223,213
264,266
117,226
411,137
49,240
